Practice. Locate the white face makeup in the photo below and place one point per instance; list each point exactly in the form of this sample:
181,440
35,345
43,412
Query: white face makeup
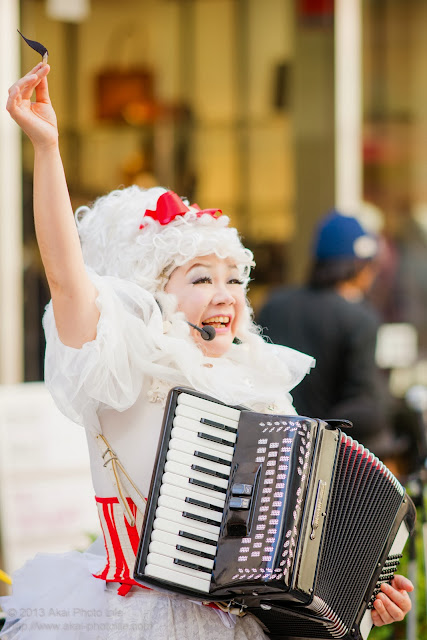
209,291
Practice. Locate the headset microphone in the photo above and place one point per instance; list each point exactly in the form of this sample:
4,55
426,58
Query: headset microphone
207,333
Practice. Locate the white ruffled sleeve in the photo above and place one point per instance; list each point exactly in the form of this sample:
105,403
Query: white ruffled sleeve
109,370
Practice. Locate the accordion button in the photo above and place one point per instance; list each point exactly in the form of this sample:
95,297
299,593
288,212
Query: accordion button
240,489
239,503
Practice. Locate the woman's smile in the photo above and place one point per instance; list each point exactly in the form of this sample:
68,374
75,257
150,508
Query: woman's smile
219,323
209,291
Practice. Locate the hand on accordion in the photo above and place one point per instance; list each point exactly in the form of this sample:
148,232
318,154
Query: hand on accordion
393,602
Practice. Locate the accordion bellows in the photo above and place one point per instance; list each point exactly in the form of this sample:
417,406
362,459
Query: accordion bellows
284,516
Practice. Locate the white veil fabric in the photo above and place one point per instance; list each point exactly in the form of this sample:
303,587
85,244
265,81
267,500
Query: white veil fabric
131,344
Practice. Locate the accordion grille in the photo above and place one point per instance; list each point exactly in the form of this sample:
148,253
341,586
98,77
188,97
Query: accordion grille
352,545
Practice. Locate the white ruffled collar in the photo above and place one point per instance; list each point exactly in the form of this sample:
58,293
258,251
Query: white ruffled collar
258,375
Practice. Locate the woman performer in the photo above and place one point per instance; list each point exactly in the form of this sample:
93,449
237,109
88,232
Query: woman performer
118,338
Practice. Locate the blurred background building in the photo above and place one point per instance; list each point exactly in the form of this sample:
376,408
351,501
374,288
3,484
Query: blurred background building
273,110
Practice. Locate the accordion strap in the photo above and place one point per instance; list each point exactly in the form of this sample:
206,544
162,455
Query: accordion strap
122,482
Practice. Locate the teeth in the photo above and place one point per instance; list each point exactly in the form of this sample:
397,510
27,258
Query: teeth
217,319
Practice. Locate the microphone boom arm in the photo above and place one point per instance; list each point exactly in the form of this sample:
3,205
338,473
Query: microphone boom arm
208,333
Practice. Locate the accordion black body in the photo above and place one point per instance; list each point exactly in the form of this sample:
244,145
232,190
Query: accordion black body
284,516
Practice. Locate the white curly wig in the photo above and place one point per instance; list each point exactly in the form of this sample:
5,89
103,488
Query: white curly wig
118,239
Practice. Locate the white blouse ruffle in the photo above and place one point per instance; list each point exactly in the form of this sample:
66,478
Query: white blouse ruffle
130,344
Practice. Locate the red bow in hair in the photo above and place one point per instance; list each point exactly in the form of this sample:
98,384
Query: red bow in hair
170,205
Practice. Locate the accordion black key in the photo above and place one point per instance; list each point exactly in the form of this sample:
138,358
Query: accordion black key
284,516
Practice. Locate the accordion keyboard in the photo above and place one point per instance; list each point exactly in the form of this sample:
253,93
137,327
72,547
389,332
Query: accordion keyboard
192,495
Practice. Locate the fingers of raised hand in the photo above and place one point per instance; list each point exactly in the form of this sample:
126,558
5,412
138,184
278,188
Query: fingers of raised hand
30,81
24,87
14,100
41,70
390,605
36,68
42,90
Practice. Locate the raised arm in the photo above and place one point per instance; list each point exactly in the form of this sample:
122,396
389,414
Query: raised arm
73,294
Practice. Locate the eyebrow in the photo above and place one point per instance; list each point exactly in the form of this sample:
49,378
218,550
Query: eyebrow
208,265
200,264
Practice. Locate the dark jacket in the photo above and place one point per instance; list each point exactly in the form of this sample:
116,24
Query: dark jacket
341,336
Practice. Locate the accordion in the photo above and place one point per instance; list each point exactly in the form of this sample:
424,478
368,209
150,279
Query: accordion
286,517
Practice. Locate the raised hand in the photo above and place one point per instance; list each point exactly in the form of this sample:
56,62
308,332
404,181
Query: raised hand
393,602
73,294
37,119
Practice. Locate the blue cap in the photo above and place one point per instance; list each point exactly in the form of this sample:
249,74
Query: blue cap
340,236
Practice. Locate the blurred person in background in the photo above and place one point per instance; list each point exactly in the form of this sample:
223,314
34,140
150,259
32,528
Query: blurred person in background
330,318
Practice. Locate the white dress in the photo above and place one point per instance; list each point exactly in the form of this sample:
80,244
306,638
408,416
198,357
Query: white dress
117,384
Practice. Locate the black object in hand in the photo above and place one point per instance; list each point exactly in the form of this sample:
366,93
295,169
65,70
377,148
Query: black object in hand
36,46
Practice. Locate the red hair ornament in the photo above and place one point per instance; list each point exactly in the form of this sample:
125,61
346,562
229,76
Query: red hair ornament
170,205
